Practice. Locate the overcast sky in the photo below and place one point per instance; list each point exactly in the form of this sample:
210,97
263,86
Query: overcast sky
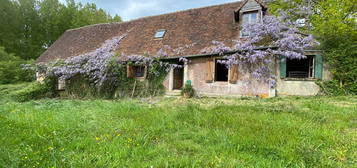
132,9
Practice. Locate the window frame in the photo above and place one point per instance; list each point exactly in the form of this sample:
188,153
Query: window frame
163,31
311,70
249,13
143,71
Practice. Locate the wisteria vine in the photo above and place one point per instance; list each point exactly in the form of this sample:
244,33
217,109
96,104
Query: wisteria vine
93,65
271,38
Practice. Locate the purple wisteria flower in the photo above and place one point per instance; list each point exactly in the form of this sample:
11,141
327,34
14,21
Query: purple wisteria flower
91,65
94,65
272,37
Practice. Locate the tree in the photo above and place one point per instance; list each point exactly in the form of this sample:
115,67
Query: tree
51,13
10,33
335,27
11,70
89,14
33,25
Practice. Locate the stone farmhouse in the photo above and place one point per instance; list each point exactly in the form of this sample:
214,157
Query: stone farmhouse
197,28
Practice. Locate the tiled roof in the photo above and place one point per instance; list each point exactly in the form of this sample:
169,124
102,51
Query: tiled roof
195,27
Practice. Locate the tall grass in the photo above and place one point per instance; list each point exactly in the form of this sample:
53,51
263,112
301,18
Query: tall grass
279,132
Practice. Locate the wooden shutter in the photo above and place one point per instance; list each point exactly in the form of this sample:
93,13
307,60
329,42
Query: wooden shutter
318,66
209,70
282,67
233,74
130,71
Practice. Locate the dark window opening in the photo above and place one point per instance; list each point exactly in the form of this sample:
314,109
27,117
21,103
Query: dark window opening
221,72
300,68
236,17
139,71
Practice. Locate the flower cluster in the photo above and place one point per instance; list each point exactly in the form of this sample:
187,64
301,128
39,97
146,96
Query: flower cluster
94,65
270,38
217,48
146,60
91,65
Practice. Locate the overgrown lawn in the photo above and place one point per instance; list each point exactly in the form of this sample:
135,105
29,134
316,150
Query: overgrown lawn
169,132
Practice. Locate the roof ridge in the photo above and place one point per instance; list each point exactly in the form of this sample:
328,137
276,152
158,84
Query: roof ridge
148,17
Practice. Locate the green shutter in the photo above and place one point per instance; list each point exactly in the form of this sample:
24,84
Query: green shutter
282,66
318,66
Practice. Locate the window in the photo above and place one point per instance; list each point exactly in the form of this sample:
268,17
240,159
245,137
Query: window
221,72
139,71
160,33
300,68
248,18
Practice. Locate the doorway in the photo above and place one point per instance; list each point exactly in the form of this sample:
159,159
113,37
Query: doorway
178,78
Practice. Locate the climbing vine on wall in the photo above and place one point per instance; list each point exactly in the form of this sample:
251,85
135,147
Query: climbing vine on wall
273,36
103,72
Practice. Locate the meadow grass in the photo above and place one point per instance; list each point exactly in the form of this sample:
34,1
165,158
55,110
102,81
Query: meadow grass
170,132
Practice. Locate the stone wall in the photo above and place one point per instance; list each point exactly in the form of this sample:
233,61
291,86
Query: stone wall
196,71
289,87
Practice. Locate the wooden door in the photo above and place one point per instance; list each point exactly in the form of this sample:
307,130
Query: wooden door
178,78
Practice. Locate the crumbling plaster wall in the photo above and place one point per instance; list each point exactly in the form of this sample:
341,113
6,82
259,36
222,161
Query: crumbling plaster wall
196,72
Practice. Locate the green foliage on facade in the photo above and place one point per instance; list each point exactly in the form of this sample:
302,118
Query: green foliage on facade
119,85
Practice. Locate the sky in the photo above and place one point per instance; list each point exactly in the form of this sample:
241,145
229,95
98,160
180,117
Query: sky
132,9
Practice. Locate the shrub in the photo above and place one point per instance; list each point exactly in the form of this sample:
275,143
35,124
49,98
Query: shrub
11,70
35,90
8,89
334,88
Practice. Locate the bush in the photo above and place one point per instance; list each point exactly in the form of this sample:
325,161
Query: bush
188,90
11,70
7,90
35,90
334,88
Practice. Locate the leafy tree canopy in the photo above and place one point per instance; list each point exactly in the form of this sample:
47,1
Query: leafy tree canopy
33,25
